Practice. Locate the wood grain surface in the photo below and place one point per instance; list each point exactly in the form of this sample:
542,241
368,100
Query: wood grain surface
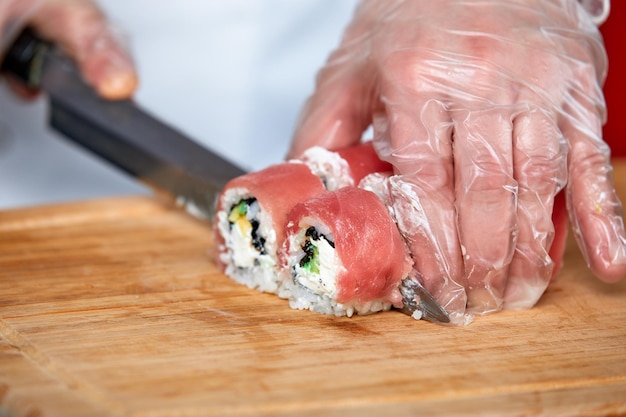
114,308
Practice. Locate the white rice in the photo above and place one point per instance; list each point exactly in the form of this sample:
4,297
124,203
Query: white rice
243,262
378,183
333,170
302,298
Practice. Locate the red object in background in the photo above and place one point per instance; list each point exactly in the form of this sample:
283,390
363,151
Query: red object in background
615,86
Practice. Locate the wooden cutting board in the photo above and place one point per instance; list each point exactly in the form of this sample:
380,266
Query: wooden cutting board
114,308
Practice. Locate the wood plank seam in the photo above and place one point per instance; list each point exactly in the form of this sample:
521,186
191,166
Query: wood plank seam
350,405
77,213
45,364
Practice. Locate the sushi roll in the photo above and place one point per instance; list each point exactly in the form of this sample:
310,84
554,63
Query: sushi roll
378,183
344,167
343,255
250,221
418,301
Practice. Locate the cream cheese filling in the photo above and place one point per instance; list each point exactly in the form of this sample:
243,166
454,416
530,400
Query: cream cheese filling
245,254
319,275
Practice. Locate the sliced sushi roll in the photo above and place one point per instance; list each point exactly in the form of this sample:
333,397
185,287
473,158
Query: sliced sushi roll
344,167
378,183
417,301
343,255
250,221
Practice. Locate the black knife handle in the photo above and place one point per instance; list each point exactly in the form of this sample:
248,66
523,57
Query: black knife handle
25,57
119,131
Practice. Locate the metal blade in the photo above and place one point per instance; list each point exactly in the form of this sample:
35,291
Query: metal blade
417,299
120,131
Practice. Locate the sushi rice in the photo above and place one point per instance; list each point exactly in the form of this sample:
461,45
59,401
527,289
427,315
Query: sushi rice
250,244
332,169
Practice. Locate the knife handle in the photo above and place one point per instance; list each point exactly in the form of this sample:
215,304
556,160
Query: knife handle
25,58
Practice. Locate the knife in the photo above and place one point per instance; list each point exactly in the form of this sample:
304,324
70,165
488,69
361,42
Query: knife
120,131
419,303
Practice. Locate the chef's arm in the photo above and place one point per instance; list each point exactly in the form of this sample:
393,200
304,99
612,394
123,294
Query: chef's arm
82,30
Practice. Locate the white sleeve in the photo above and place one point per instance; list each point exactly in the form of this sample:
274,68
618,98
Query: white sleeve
597,9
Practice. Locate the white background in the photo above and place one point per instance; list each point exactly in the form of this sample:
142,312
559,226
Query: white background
232,74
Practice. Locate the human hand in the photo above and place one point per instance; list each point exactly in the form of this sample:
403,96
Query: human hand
486,110
80,28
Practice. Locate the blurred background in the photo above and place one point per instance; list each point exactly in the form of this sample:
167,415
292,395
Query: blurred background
232,74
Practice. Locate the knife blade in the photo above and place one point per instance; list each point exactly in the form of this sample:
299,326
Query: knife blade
419,303
120,131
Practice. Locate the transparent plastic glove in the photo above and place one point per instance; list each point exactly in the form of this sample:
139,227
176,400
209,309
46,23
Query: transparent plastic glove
81,29
486,109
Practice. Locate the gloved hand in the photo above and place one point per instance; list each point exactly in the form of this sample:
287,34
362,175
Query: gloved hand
81,29
486,109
